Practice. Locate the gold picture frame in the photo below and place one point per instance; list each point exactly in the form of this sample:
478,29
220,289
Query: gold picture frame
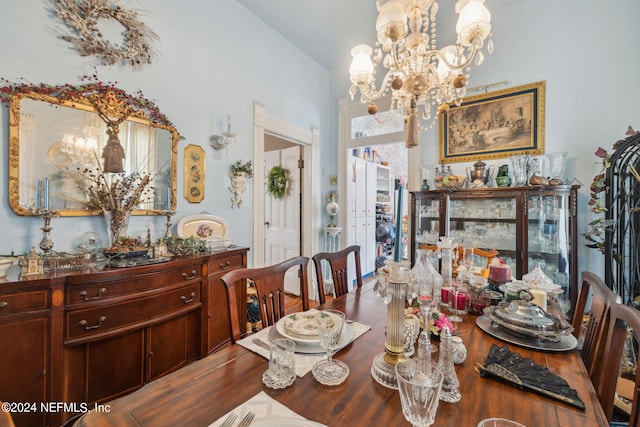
494,125
194,173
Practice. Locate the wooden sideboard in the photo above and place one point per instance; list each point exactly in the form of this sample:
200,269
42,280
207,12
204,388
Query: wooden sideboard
76,340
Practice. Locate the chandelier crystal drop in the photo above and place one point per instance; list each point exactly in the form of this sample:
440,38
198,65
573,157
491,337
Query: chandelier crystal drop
419,75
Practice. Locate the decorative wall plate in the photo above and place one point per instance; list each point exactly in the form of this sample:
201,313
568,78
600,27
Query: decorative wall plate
203,227
194,173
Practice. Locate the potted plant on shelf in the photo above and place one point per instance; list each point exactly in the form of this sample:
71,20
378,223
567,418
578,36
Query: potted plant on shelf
239,172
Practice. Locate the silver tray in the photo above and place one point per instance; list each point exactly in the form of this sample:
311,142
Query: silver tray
528,319
566,343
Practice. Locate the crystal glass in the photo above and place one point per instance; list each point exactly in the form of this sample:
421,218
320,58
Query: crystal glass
556,164
330,371
419,392
282,366
519,164
427,305
456,285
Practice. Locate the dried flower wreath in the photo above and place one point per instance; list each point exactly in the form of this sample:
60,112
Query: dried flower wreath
82,18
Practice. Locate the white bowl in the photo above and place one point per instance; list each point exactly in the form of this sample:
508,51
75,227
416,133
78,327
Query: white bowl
5,264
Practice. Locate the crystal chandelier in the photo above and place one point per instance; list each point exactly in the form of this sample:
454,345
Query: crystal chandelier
419,75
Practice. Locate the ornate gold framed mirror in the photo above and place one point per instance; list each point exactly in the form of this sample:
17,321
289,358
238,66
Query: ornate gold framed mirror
57,140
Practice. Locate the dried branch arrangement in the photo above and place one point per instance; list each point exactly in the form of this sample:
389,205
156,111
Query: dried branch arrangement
81,17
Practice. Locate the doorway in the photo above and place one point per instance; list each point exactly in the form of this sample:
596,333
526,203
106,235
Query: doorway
265,126
282,216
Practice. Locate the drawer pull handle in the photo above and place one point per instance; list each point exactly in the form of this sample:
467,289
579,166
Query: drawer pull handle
187,301
83,294
225,265
3,304
86,326
193,275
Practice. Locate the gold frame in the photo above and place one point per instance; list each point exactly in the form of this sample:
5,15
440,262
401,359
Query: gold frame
519,111
194,173
81,103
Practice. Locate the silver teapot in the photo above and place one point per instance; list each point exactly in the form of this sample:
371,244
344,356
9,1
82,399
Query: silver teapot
480,175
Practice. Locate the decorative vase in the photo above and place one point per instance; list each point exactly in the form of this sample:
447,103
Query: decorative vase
503,179
117,224
459,350
411,332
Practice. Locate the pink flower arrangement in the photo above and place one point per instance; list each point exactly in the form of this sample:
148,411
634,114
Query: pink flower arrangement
437,322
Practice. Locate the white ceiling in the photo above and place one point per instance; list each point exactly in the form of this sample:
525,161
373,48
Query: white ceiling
326,30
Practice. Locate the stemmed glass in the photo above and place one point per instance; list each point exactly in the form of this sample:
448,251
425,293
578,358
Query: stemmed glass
330,371
427,305
419,392
456,285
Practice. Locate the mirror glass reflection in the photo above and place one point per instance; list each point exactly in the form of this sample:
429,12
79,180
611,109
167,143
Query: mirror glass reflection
57,142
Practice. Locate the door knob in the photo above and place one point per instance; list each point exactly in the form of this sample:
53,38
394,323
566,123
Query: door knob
267,224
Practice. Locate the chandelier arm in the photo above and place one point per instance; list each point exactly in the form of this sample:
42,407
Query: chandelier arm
369,94
472,55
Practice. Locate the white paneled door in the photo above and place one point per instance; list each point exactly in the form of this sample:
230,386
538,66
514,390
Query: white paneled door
282,216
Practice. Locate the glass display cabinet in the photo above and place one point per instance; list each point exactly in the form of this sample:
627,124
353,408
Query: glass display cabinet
528,226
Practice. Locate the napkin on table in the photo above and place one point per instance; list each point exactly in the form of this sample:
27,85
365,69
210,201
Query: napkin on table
263,406
304,362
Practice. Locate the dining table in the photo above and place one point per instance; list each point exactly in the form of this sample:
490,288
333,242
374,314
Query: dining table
208,389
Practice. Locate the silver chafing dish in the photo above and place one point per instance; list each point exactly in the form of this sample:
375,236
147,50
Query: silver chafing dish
522,317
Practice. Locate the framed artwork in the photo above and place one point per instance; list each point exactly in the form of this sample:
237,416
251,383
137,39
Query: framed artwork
193,173
494,125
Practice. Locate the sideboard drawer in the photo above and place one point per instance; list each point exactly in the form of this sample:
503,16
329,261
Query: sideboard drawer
227,263
24,301
104,319
83,292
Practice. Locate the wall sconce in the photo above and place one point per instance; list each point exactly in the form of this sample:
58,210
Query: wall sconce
219,142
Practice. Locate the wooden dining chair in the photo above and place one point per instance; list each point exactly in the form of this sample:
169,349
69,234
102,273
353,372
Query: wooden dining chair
602,298
623,319
269,285
337,262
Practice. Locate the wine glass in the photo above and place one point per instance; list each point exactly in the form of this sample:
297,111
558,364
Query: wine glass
419,392
427,305
330,371
456,285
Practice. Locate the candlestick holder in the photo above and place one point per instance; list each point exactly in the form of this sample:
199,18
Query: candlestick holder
168,214
46,244
396,278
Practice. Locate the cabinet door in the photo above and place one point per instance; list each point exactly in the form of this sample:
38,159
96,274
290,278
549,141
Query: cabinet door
360,187
171,344
488,222
24,358
549,237
114,367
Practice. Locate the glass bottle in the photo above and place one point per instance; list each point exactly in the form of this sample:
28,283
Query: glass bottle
428,280
450,383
